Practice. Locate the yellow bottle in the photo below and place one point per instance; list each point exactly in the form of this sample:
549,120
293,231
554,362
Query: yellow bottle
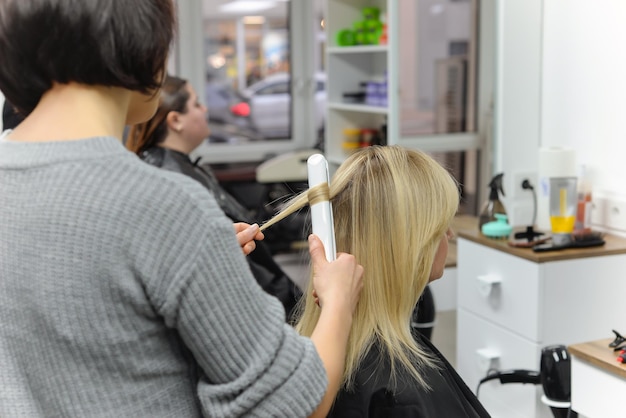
563,202
562,224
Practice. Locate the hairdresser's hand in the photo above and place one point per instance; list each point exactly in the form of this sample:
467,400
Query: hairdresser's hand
337,287
336,283
246,235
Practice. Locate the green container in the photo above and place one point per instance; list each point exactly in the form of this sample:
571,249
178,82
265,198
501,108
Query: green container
373,30
359,32
499,228
371,13
345,37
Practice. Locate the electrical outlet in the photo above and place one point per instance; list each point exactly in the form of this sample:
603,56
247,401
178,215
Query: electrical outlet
615,211
487,359
518,178
598,211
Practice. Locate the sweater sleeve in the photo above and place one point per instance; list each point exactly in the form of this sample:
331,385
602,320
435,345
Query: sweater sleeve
252,363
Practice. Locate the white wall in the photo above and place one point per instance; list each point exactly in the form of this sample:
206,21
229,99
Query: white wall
584,86
518,98
561,71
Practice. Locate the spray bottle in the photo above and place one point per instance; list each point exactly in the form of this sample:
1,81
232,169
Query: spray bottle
493,205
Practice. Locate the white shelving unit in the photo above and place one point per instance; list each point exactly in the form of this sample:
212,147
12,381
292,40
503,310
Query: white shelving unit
348,66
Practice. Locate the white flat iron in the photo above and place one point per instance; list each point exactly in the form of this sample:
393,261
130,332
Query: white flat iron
321,209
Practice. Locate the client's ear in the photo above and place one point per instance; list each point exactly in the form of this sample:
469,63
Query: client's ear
174,122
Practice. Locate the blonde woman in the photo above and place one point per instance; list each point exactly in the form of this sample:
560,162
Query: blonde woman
392,209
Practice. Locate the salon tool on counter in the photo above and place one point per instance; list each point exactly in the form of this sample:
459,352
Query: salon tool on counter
524,243
319,200
619,339
493,205
593,239
498,229
619,345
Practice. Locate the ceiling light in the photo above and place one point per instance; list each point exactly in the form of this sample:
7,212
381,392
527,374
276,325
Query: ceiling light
254,20
247,6
216,61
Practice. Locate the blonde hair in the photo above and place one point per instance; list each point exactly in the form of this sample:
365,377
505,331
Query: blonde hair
391,208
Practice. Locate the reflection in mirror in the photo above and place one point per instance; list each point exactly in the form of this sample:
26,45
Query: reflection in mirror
247,67
437,75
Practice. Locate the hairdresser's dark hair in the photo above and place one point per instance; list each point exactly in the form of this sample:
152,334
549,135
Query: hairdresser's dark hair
174,97
10,117
116,43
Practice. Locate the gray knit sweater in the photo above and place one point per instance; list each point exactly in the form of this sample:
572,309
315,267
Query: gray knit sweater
124,293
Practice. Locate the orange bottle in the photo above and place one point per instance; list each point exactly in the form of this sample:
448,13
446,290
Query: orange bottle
383,33
583,209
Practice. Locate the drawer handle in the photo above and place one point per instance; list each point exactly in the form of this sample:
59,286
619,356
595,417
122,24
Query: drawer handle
486,283
487,357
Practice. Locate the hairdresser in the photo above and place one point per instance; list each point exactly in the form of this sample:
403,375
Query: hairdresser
178,127
102,313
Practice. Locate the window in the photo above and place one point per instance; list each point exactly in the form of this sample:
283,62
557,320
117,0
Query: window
439,101
245,48
438,48
239,54
446,78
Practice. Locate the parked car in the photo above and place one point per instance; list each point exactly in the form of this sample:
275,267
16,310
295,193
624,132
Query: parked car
219,96
267,104
227,126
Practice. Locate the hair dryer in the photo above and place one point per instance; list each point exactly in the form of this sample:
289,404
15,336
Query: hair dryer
554,376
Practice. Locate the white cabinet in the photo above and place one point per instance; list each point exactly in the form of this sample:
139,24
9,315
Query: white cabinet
598,380
350,66
513,302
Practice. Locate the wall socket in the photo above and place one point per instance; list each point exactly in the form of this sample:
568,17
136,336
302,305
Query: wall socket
615,211
598,211
518,178
609,213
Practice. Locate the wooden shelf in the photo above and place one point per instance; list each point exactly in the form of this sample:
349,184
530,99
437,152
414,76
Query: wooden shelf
355,107
599,354
359,49
614,245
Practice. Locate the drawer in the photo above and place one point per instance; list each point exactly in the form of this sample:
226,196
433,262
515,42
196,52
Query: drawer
499,287
477,341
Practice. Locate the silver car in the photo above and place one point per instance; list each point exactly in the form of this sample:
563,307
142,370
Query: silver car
268,105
